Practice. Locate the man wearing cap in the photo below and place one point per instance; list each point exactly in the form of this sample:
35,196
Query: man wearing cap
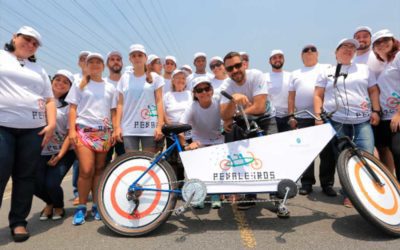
200,63
169,67
249,89
245,59
82,64
114,65
301,97
364,54
278,87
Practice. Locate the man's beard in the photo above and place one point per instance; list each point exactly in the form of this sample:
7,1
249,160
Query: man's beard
277,65
116,69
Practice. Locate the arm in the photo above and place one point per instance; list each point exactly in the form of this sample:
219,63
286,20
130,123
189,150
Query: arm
72,123
160,114
117,134
376,108
291,108
258,106
51,115
319,94
57,157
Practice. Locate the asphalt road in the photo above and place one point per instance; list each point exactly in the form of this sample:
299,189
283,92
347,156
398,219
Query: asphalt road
317,222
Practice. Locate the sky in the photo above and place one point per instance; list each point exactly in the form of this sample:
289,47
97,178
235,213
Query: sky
184,27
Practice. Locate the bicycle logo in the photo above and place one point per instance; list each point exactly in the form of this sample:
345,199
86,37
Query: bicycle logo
238,160
150,111
393,101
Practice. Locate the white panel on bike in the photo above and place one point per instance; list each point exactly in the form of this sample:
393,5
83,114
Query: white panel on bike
381,202
257,164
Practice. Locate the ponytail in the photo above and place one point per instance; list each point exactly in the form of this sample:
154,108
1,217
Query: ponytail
84,82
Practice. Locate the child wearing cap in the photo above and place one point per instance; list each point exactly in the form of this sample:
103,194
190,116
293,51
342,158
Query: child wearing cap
204,117
27,122
92,107
140,112
57,156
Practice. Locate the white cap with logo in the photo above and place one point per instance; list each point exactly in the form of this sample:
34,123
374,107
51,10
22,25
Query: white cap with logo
29,31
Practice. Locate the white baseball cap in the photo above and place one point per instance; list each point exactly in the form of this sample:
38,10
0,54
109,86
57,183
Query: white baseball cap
348,40
114,53
186,66
94,55
276,52
66,73
363,28
199,54
308,46
201,79
216,58
84,53
151,58
29,31
137,47
382,33
178,71
243,53
172,58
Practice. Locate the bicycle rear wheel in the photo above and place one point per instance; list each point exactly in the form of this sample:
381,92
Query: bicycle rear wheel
379,205
154,206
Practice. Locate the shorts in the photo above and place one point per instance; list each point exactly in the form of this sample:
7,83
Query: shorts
136,143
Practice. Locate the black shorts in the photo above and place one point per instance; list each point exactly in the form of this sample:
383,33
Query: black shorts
382,134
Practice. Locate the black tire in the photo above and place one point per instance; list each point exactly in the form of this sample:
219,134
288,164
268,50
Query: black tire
113,187
368,197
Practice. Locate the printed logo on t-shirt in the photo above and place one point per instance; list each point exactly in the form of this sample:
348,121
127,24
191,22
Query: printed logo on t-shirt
148,112
365,108
40,114
393,101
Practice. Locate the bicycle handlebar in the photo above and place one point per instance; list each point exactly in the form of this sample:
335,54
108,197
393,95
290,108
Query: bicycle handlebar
246,120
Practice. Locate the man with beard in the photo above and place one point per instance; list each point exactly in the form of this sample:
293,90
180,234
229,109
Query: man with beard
301,97
249,89
169,67
278,87
114,65
364,54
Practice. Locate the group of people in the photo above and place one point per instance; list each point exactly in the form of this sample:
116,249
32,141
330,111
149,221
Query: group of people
47,126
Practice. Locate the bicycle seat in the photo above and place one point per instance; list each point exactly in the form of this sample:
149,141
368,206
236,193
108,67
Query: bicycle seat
175,128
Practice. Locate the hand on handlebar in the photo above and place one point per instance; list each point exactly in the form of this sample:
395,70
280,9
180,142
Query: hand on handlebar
292,123
241,99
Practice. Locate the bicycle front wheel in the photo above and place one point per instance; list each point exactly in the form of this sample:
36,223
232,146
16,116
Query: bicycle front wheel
154,206
380,205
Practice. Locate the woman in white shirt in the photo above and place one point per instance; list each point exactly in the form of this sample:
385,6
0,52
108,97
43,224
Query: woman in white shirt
387,133
175,103
140,112
92,105
27,122
204,116
57,156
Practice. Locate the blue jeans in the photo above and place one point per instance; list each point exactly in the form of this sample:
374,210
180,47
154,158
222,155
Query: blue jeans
361,134
19,156
48,179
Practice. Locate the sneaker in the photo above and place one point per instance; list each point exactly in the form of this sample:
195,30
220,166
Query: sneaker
58,216
347,203
216,201
79,216
95,212
44,216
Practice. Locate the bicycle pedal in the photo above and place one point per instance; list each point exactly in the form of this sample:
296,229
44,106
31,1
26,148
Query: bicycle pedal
180,210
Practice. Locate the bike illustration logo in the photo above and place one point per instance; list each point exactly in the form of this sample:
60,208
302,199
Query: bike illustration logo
150,111
393,101
238,160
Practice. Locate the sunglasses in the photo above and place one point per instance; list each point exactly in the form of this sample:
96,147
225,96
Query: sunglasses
201,90
217,64
236,66
312,49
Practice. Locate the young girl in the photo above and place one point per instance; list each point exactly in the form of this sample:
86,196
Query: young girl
57,157
140,112
92,107
204,116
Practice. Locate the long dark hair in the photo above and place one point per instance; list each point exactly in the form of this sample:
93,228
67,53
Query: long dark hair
10,47
62,98
392,53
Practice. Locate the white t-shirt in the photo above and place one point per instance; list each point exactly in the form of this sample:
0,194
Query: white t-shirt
167,85
369,58
278,89
303,82
139,117
94,103
175,104
56,142
111,81
189,79
389,85
206,123
23,93
353,98
254,85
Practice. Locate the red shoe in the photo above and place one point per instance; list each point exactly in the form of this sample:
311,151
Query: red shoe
347,203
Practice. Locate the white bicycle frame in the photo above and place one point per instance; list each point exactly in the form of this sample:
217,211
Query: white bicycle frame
256,164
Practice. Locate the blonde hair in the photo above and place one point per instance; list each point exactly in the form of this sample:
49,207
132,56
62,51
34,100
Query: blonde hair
85,81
